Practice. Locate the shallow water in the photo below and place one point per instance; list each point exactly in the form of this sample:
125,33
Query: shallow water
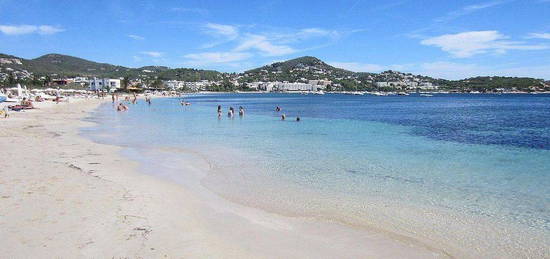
467,172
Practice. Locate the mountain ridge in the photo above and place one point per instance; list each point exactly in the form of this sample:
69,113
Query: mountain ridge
298,69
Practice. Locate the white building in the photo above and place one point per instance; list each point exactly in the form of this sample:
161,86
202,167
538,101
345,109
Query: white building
104,84
255,85
427,86
320,84
286,86
174,84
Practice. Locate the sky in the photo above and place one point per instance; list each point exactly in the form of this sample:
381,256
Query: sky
444,39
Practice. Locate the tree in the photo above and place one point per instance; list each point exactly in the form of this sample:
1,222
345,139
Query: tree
125,83
47,80
11,79
35,81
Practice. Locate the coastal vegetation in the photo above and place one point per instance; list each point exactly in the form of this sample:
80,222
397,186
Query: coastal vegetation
39,72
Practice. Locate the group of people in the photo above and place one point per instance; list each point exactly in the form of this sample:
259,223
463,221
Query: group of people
283,116
231,111
121,107
25,104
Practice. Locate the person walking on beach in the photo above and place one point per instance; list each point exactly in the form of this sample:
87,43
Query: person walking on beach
6,111
113,97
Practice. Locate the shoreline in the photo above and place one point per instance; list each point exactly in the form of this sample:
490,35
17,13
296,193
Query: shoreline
68,196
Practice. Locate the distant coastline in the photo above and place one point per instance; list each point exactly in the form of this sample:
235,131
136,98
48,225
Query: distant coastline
303,74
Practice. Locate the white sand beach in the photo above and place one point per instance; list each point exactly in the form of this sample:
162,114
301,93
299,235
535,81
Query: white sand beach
64,196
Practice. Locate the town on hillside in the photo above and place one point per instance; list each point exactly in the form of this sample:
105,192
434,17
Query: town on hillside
305,74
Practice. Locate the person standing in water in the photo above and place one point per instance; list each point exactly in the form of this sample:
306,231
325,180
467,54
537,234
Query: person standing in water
241,111
283,117
231,112
219,111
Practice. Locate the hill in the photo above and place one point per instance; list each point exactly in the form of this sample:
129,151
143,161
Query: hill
64,65
300,69
68,65
306,67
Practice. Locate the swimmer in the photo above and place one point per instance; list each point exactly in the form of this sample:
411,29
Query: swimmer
121,107
297,118
278,109
283,117
241,111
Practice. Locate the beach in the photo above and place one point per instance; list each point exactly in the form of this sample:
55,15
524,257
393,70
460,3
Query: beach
63,195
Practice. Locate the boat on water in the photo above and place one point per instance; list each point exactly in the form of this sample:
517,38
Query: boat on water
427,95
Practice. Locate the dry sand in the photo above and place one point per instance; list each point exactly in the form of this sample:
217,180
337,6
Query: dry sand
64,196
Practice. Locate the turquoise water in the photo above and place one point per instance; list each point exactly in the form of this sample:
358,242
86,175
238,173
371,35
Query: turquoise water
406,164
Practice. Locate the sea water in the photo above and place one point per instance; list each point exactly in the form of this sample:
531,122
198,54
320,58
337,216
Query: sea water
465,172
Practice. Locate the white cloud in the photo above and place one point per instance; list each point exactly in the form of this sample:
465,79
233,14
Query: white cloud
262,44
467,44
153,54
47,29
303,35
222,32
316,32
28,29
205,58
135,37
272,42
228,31
545,36
466,10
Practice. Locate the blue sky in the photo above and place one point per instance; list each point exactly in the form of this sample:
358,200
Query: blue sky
447,39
